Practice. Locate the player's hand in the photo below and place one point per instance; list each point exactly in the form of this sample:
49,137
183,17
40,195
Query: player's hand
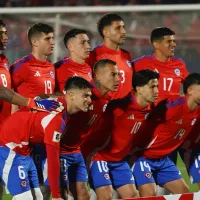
49,104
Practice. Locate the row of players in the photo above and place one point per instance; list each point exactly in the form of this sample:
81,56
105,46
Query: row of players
33,75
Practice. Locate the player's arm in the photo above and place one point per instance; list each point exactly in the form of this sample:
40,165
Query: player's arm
54,127
10,96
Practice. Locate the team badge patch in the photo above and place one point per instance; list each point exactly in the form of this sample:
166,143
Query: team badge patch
52,74
24,183
104,107
6,66
177,72
89,74
106,176
148,175
56,136
193,121
128,62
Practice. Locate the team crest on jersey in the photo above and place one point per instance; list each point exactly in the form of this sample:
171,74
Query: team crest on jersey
104,107
6,66
146,116
177,72
193,121
128,62
89,74
52,74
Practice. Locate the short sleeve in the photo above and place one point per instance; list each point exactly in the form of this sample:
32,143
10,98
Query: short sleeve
54,126
185,72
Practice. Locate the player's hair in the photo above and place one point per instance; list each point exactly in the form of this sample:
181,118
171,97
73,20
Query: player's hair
102,63
107,20
38,29
76,82
71,34
2,23
191,79
142,78
159,33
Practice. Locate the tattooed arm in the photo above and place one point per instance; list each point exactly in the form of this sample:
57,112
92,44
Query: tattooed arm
10,96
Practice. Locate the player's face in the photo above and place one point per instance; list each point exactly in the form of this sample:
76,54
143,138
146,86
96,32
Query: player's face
46,44
194,91
80,45
108,78
82,99
167,46
116,32
3,38
149,92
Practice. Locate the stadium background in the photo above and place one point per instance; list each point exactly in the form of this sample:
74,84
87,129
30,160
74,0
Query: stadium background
139,24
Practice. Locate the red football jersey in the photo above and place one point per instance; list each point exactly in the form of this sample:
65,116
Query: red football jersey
79,124
5,80
38,128
168,126
123,60
172,73
32,77
67,68
192,142
127,117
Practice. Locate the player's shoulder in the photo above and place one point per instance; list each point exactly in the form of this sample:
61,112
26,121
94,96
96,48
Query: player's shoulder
62,62
175,101
121,103
178,60
21,62
142,59
125,52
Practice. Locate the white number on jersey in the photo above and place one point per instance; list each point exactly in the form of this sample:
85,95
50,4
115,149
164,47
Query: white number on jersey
102,166
48,87
4,80
122,75
136,127
167,84
21,172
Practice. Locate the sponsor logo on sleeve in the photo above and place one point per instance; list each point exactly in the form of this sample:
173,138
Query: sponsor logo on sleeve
56,136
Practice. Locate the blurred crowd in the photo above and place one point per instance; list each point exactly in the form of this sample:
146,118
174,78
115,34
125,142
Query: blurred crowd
27,3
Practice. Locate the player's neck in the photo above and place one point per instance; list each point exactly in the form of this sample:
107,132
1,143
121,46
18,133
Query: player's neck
111,45
40,57
141,101
71,109
159,56
103,91
191,103
76,59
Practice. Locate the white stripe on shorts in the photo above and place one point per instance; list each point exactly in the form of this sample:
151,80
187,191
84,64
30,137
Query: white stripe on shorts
45,173
7,168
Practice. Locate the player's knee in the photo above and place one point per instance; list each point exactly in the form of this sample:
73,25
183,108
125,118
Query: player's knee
147,192
24,195
82,192
46,192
